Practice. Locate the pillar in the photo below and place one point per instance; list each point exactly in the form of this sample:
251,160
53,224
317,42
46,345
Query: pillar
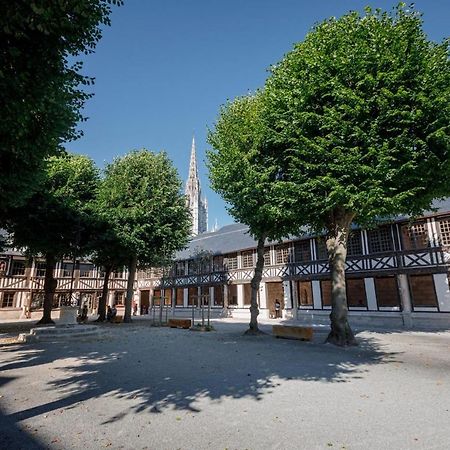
371,294
441,283
240,295
317,294
405,299
185,297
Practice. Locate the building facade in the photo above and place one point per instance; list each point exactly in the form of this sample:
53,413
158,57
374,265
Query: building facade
397,275
197,204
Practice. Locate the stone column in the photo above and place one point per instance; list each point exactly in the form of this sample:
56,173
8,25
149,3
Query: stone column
294,286
441,283
317,294
405,299
185,297
371,294
240,295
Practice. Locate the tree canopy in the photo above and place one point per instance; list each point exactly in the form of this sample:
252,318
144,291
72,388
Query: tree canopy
244,173
361,111
41,90
56,221
141,198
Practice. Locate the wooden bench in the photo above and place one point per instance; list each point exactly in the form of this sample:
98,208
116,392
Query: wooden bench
292,332
117,319
180,323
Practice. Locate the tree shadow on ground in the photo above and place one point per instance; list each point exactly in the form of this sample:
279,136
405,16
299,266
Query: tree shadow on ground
159,368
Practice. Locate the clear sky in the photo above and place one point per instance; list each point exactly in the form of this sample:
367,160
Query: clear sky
165,66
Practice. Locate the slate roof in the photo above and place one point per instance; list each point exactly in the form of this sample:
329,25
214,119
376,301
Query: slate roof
235,237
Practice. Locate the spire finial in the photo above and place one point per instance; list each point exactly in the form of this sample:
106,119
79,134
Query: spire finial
193,172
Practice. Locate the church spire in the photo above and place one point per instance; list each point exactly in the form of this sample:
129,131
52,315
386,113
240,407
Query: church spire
197,204
193,172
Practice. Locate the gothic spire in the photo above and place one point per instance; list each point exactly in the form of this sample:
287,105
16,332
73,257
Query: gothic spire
193,172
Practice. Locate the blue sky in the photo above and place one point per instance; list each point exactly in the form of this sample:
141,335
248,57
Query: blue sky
165,66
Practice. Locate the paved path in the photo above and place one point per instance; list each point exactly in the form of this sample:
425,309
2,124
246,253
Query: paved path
141,387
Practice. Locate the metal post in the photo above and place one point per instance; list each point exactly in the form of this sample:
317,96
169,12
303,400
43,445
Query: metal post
209,310
203,309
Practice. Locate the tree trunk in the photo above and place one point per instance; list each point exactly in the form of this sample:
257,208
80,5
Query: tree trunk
49,289
337,238
130,289
256,280
104,297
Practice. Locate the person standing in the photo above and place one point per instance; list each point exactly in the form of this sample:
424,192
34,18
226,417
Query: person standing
277,309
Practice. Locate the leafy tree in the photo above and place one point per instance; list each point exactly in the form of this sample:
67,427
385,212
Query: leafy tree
249,181
140,197
361,110
55,222
40,89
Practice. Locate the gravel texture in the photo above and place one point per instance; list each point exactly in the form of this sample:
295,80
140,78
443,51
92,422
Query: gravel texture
143,387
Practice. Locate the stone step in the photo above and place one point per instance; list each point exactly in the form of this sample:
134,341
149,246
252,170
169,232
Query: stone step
59,332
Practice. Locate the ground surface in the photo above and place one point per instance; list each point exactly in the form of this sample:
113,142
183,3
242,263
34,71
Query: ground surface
141,387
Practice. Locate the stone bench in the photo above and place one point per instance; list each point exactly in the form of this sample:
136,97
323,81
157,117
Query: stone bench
292,332
180,323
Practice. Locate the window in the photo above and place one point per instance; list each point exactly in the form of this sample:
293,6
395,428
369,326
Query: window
218,295
321,248
18,268
205,265
325,289
218,263
415,236
302,251
119,298
40,269
267,256
204,292
305,297
191,267
66,269
8,299
356,292
387,292
231,262
444,232
247,258
86,270
354,245
179,299
247,294
282,254
422,291
193,296
380,240
232,294
179,269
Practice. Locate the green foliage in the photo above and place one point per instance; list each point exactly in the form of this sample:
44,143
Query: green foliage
56,219
41,92
361,111
140,197
248,181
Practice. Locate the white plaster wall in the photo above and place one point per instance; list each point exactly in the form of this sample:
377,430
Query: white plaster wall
442,291
317,294
240,295
370,293
287,295
185,297
262,295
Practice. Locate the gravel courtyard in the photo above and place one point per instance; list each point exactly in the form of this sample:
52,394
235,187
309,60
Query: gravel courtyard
142,387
